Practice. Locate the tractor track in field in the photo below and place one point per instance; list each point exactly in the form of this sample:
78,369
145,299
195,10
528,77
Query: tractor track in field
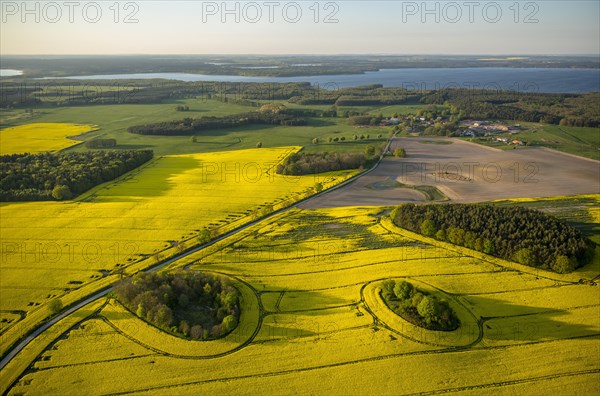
51,345
378,322
528,289
278,302
296,311
547,311
262,313
352,362
505,383
95,362
275,260
321,333
334,269
443,274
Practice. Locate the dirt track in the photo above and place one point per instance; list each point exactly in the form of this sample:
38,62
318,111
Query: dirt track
468,172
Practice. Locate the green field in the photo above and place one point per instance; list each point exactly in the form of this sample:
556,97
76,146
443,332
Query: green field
312,278
113,121
584,142
389,111
312,320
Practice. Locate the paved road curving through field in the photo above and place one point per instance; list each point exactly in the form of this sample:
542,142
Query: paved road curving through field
41,329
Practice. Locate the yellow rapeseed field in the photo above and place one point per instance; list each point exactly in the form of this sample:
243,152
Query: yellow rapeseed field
58,249
312,278
40,137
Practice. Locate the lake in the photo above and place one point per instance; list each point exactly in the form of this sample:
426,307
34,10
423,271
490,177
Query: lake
516,79
10,72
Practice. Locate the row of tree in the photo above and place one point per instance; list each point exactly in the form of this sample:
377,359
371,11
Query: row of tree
47,176
375,100
523,235
419,307
190,126
311,163
566,109
188,303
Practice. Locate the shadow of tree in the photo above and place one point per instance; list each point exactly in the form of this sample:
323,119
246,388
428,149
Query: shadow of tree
530,323
156,181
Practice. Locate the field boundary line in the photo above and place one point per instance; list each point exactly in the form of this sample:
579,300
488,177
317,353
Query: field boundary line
14,377
387,223
490,148
567,154
21,342
505,383
340,364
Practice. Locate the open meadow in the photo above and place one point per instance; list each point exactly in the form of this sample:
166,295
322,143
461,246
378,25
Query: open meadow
315,323
113,120
580,141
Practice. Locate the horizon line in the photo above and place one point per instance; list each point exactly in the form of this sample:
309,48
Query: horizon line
313,54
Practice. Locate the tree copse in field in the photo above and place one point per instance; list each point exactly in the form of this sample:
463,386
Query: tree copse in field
190,126
310,163
101,143
187,303
47,176
418,306
400,152
527,236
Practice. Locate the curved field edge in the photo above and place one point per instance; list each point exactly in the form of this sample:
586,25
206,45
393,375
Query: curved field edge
19,364
154,244
573,277
467,334
29,138
340,350
158,341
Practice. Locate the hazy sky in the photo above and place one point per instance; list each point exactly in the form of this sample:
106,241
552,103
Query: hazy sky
271,27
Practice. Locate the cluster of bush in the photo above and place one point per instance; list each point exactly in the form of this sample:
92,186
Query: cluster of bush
48,176
101,143
186,303
526,236
418,307
311,163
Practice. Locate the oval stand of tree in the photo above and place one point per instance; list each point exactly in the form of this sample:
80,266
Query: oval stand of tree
130,325
468,332
419,307
186,303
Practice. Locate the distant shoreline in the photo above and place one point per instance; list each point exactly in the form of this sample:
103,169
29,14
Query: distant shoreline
526,80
